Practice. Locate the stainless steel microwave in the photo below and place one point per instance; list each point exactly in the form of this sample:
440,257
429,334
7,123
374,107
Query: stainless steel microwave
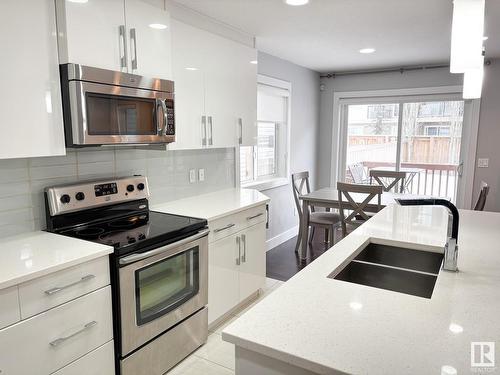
105,107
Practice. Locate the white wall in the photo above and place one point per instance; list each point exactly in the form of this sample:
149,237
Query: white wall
22,180
304,136
364,82
488,143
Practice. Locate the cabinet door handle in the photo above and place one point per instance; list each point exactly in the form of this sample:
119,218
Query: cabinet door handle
255,216
60,288
203,130
238,242
210,125
223,228
60,340
133,39
244,256
123,57
240,124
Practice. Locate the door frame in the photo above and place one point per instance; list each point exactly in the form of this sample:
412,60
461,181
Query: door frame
469,132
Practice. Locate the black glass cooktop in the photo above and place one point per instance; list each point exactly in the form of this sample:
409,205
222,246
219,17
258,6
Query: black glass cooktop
137,231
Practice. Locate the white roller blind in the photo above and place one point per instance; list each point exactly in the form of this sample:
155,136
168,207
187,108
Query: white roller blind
271,103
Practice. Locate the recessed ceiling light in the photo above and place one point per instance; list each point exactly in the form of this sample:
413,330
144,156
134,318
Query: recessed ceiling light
79,1
255,62
485,38
356,305
296,2
455,328
367,50
158,26
191,68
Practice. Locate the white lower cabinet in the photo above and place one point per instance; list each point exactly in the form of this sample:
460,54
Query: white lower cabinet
237,268
9,307
53,339
98,362
253,260
223,286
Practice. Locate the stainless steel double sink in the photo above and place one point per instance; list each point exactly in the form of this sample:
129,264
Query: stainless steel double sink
393,268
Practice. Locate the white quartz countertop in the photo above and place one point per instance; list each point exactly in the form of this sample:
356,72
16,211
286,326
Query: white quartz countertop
215,205
329,326
30,255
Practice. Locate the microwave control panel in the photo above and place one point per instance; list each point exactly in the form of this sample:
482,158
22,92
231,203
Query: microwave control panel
170,129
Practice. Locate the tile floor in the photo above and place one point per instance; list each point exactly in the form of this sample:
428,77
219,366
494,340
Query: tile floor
216,357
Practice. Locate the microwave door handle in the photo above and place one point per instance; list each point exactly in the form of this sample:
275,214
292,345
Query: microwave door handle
158,117
161,128
165,117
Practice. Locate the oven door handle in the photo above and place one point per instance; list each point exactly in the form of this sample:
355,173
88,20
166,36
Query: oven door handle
136,257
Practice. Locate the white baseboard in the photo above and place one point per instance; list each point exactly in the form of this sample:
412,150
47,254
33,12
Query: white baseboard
282,237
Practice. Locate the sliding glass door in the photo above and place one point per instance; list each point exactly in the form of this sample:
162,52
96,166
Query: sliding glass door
420,137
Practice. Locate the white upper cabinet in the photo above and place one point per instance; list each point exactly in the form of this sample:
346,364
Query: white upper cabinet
215,88
92,33
124,35
30,100
188,74
149,39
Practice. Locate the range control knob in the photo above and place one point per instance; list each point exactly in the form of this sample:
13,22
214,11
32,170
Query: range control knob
65,199
130,188
140,186
80,196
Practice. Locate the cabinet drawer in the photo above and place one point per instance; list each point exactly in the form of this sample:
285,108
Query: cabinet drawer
231,224
9,310
98,362
53,339
57,288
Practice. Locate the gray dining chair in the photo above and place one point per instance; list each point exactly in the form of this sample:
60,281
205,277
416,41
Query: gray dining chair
353,213
389,180
326,220
483,194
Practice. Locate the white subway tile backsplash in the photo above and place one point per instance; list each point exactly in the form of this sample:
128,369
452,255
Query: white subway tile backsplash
52,171
96,170
22,206
95,155
14,188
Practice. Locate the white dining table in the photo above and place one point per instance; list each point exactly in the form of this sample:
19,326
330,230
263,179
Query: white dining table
329,199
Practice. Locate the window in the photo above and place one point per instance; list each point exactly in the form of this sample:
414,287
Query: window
265,165
424,141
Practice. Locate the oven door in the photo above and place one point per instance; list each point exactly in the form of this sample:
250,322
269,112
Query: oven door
160,288
107,114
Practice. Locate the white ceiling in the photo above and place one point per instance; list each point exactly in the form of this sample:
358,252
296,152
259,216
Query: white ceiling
325,35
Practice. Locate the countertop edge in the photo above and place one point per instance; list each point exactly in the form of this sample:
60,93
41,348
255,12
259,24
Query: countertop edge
279,355
239,209
55,268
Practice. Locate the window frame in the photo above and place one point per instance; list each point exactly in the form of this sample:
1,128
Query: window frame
282,157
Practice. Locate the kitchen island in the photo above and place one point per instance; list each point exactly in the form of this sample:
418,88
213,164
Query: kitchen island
315,324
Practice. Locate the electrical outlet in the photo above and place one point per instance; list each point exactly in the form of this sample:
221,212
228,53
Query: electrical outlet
192,175
201,174
483,162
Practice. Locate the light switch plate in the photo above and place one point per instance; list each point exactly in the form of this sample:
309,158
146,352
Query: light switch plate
483,162
192,175
201,174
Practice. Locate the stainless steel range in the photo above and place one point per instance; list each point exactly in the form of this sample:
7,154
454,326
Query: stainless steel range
159,268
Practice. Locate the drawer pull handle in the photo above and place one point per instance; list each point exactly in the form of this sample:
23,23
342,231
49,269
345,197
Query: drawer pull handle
223,228
255,216
63,339
60,288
